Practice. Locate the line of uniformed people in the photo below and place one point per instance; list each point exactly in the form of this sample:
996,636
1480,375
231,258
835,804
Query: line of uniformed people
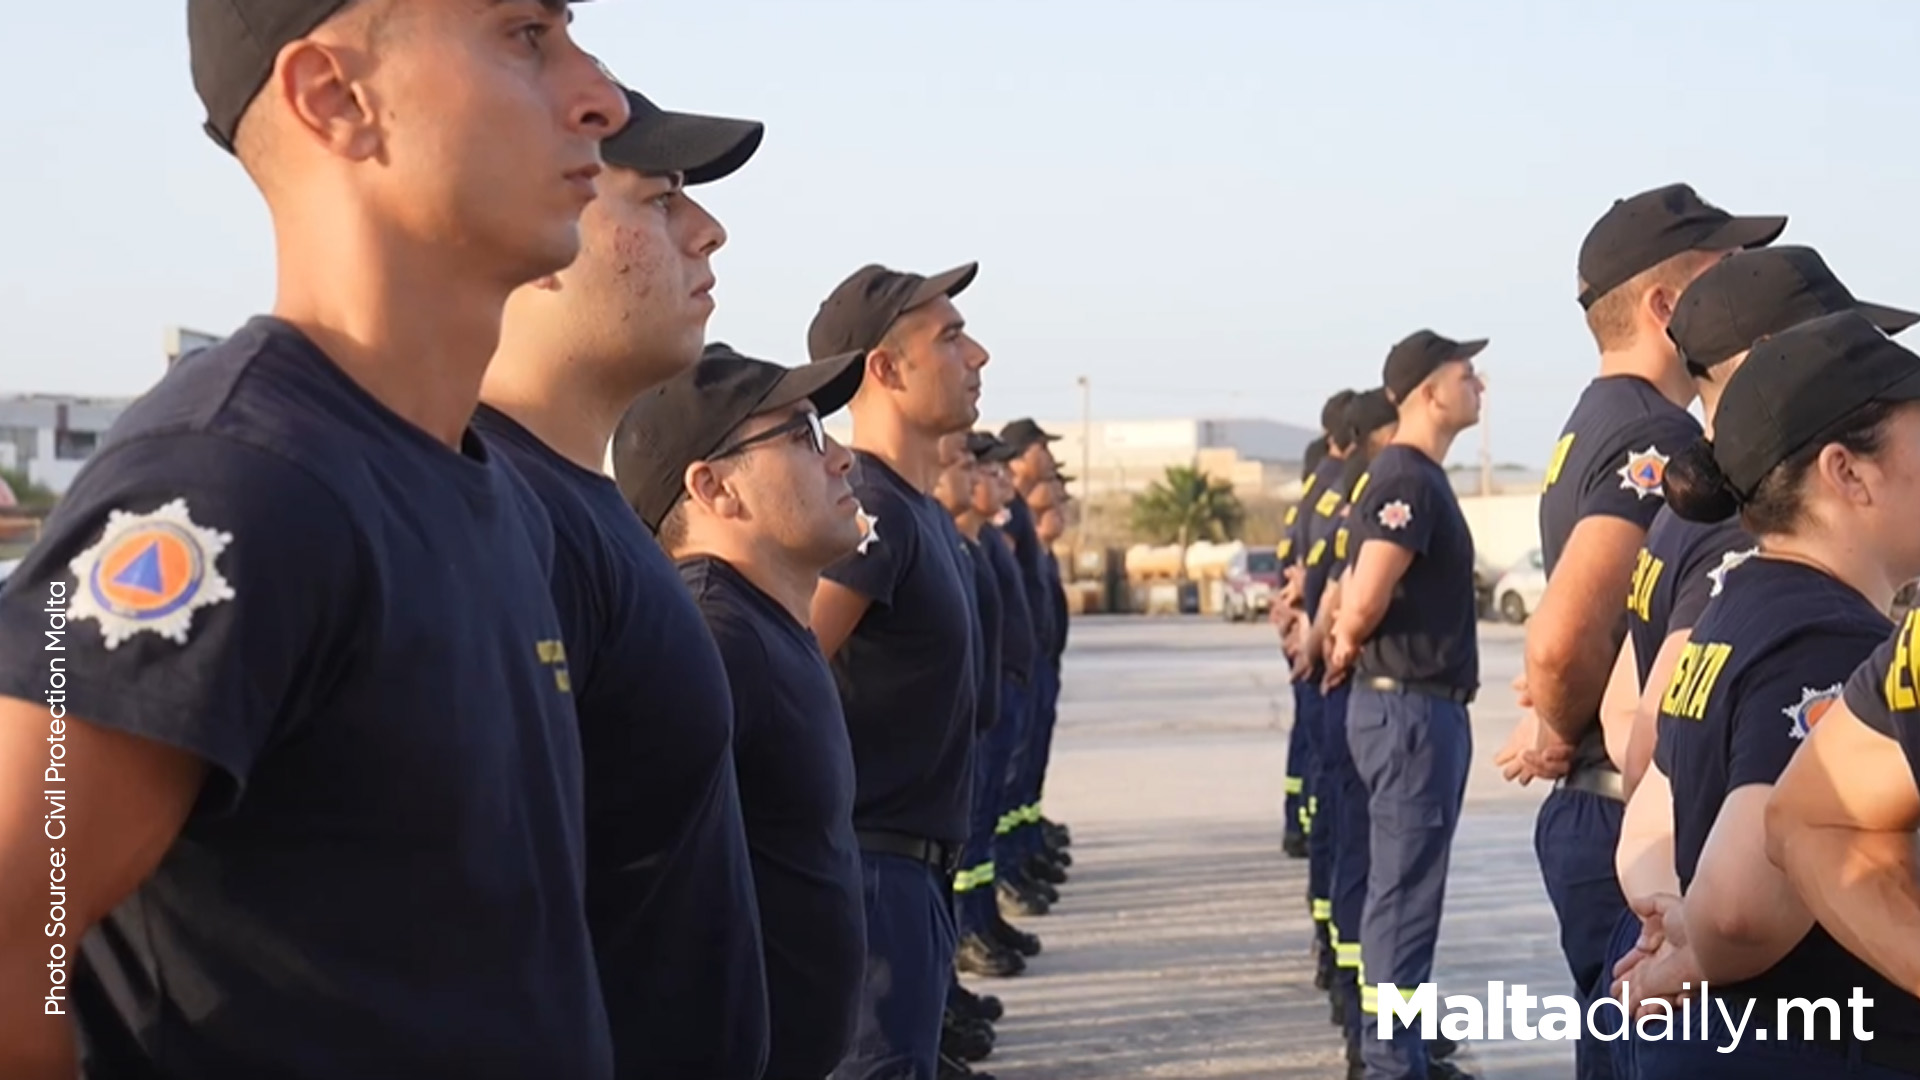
1698,834
1377,616
417,745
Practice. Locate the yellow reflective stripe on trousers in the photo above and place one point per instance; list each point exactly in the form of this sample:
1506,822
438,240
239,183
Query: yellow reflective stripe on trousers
1347,955
968,880
1369,999
1295,785
1323,911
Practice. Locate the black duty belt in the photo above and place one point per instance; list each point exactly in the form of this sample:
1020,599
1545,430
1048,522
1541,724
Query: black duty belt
942,857
1459,695
1602,780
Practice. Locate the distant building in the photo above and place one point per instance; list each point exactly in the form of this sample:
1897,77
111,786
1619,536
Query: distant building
50,436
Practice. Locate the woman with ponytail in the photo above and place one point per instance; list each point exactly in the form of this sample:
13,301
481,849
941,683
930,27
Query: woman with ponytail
1816,450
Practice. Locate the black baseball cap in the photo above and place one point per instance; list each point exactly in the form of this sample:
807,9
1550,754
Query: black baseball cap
691,415
1752,294
232,46
1641,232
1799,386
1023,433
1369,412
1334,413
988,449
860,310
1419,355
702,148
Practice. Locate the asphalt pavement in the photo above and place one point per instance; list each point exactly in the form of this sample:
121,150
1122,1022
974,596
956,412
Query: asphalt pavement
1181,946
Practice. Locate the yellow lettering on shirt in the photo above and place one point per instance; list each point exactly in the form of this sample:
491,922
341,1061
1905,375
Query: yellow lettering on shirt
1693,679
1329,502
1340,543
1319,552
1359,486
553,654
1902,674
1293,512
1558,461
1646,574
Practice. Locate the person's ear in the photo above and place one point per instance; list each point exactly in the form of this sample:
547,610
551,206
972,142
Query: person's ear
1855,478
325,101
883,369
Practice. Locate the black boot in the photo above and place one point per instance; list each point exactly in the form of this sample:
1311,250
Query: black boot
1039,869
1013,937
978,955
1016,902
965,1040
1295,846
971,1006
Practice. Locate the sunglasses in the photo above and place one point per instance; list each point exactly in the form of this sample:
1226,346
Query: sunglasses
808,421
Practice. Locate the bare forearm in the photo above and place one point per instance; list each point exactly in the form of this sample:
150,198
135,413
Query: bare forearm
33,1045
1568,681
1359,614
1860,886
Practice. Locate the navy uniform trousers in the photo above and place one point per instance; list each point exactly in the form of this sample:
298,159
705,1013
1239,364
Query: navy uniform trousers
1023,839
1352,838
992,784
1412,752
1300,755
1575,837
1318,815
903,996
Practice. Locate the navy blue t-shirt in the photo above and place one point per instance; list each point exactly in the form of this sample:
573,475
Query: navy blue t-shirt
1030,555
1295,543
1766,661
1885,691
1353,478
1056,646
1429,633
1683,565
1611,461
670,894
1320,520
796,785
349,623
906,674
1017,643
988,613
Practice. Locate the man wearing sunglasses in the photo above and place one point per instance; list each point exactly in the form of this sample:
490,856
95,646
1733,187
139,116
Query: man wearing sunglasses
729,465
669,887
897,617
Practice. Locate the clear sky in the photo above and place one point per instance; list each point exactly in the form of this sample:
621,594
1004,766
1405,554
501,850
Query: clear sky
1218,207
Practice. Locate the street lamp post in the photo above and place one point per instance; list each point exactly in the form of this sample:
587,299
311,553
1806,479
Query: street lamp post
1086,457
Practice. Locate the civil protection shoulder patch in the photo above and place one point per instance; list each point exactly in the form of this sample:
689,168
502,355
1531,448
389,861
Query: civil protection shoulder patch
869,529
150,572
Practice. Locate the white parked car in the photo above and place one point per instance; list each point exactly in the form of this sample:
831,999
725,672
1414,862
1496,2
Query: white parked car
1518,592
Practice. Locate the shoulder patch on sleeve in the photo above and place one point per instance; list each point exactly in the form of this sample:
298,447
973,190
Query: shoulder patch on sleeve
1396,514
1728,563
1813,705
869,529
150,572
1645,473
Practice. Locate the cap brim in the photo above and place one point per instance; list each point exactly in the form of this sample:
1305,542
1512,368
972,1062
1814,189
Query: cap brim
1890,320
701,148
829,384
1742,233
1467,350
950,284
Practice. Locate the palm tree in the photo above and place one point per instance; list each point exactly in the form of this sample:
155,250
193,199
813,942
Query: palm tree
1187,505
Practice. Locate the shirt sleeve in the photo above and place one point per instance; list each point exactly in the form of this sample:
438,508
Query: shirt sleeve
1782,698
876,569
192,590
1701,578
750,673
1630,481
1398,508
1882,691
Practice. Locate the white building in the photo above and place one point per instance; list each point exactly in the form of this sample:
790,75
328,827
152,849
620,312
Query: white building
1256,456
50,436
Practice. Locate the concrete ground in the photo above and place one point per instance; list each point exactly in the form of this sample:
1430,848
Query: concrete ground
1181,946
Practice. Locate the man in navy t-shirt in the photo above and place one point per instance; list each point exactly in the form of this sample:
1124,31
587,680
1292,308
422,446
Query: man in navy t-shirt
729,463
285,724
1603,487
1406,634
896,617
670,894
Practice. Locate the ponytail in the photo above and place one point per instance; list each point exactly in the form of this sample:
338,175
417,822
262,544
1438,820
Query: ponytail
1696,488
